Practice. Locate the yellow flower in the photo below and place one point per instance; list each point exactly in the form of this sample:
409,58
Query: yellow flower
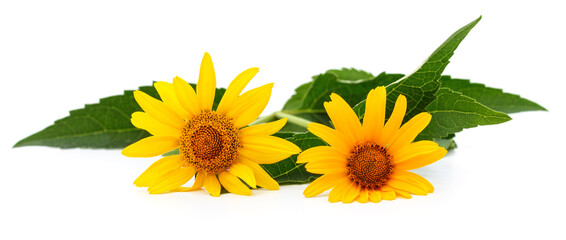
215,144
369,162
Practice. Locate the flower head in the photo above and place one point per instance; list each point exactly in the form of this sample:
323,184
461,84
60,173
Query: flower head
369,162
214,144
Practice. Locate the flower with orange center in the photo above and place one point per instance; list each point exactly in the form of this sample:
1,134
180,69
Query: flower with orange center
369,162
216,145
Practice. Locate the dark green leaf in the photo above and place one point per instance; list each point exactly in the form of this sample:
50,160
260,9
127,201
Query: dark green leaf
296,101
291,127
288,171
493,98
452,112
419,87
350,74
309,98
102,125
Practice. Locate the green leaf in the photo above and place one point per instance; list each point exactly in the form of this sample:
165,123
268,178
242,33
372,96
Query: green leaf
351,84
448,143
171,153
287,171
420,87
350,74
102,125
493,98
452,112
308,100
296,101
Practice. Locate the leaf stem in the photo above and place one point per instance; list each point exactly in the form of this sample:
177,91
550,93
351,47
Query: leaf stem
299,121
265,119
293,119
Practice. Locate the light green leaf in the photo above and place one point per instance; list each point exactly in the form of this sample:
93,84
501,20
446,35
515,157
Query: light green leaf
448,143
452,112
493,98
102,125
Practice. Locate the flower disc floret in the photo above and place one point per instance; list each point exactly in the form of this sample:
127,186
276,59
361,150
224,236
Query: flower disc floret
209,142
369,165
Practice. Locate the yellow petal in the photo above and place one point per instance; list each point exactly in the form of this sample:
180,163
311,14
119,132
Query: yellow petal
244,173
261,156
352,193
171,180
344,118
394,121
327,167
336,139
403,194
199,180
405,186
324,183
374,117
263,179
413,150
249,105
269,144
156,128
414,179
375,196
388,195
409,131
151,146
263,129
363,197
320,153
234,90
206,86
157,169
186,96
158,110
168,96
212,185
233,184
198,184
339,191
421,160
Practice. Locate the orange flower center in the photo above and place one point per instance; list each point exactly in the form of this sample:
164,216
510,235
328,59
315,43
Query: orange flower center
370,166
209,142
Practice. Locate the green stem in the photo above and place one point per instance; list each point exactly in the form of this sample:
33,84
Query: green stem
293,119
304,111
265,119
279,115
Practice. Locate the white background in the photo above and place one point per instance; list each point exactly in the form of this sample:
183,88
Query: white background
503,181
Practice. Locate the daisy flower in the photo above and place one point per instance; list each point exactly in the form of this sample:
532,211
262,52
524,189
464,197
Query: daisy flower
369,162
215,146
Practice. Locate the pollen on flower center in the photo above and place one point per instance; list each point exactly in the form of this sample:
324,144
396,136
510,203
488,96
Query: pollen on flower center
369,165
209,142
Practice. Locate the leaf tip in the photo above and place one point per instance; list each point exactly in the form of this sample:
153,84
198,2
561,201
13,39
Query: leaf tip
22,143
473,23
541,108
18,144
508,118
